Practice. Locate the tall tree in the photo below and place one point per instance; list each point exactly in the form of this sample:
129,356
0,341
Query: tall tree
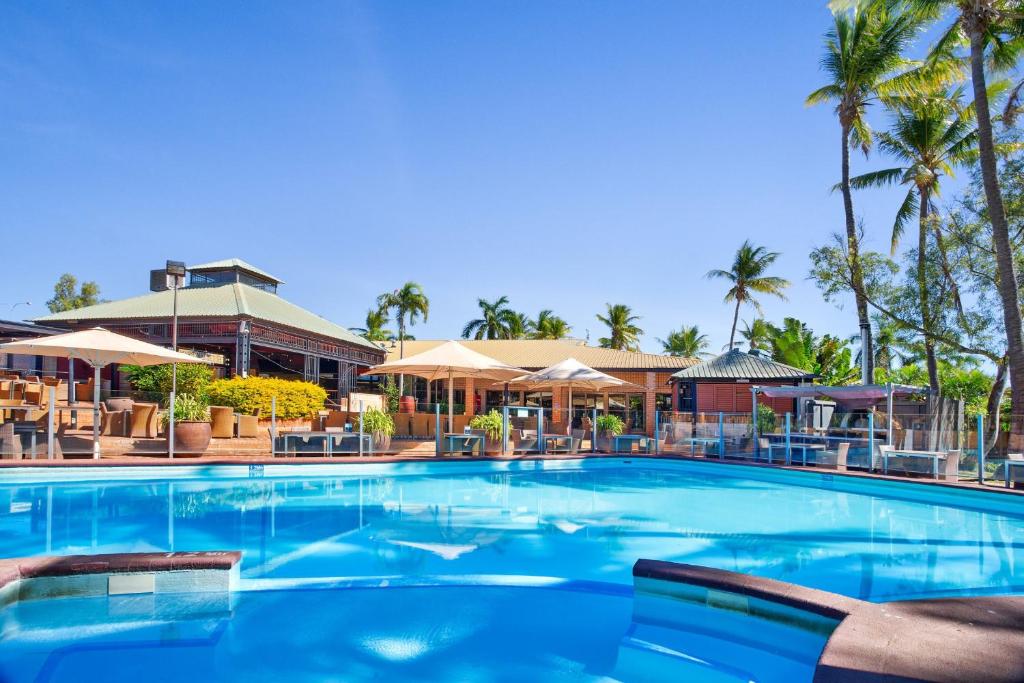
931,135
68,297
376,319
686,341
519,325
496,321
747,275
408,303
549,326
623,332
990,31
863,52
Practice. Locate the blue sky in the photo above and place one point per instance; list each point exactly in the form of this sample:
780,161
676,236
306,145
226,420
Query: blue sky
565,154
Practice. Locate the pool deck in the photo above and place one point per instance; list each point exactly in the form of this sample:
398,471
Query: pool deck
241,459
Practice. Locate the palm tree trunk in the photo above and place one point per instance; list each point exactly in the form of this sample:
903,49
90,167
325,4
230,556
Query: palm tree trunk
735,319
922,290
1007,277
992,414
853,251
401,352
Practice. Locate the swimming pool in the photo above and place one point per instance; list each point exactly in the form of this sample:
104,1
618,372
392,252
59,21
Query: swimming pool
495,529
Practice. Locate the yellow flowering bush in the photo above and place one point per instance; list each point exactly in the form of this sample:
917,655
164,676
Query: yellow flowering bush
295,399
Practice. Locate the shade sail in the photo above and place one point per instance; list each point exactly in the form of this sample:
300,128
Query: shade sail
450,359
99,347
570,372
869,393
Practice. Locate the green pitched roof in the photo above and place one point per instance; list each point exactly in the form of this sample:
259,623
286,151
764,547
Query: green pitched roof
227,264
736,364
227,300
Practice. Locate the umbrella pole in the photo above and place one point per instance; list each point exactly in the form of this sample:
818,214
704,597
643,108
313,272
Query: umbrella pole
96,412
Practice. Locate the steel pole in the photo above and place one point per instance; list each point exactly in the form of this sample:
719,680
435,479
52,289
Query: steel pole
49,424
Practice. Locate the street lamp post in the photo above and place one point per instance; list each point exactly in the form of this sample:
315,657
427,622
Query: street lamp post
175,278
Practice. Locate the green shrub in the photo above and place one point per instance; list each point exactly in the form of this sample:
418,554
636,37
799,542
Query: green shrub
193,378
610,423
376,420
766,419
490,423
247,395
391,394
189,408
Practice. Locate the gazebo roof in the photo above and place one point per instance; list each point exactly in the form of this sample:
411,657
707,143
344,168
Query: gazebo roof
736,364
235,263
228,300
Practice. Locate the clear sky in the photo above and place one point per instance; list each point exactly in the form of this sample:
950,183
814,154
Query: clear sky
565,154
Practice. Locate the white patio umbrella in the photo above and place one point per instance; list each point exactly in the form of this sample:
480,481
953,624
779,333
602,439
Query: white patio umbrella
572,374
448,361
98,348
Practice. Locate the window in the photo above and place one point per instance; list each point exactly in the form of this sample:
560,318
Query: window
663,402
687,396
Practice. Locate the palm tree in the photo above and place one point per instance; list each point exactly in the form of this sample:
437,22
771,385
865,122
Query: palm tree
686,341
376,319
496,321
989,28
863,51
794,344
519,325
624,333
930,135
408,302
549,326
747,276
757,334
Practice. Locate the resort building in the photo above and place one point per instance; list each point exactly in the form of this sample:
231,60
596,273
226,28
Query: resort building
722,384
230,311
11,330
648,372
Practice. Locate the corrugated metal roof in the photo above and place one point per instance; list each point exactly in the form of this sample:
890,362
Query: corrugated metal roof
231,299
736,364
236,263
533,354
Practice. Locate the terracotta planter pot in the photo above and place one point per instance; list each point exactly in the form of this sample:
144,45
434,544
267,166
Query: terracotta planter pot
604,440
192,438
407,404
492,446
381,442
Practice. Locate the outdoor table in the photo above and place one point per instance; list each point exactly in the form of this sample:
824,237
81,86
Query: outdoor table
704,441
804,447
469,442
365,438
631,438
18,407
934,456
32,430
1006,469
305,436
552,441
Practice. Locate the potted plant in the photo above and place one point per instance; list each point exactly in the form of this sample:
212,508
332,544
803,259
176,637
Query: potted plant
608,427
381,426
192,430
491,425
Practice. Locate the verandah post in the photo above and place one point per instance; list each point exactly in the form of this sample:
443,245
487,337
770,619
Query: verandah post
721,436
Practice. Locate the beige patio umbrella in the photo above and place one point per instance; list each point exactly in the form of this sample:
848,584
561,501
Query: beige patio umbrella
448,361
572,374
98,348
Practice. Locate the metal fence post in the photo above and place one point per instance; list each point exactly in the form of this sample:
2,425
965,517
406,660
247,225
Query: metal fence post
981,449
593,433
871,439
540,430
49,424
657,414
721,436
437,429
361,408
273,426
504,430
789,443
170,429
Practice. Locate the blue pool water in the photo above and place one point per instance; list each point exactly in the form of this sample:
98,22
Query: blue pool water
486,533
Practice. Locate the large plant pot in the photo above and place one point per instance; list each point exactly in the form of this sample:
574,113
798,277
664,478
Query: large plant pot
493,446
605,440
407,404
381,442
192,438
